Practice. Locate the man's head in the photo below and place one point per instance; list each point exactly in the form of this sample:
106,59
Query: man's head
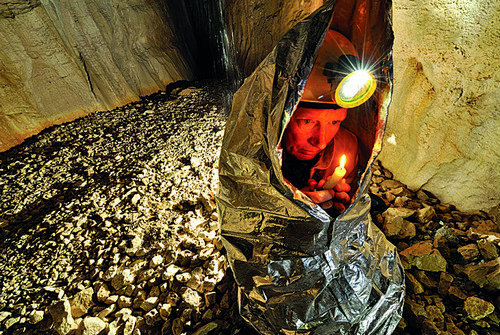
310,130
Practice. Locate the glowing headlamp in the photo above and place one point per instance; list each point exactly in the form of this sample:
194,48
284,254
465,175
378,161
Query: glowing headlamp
355,89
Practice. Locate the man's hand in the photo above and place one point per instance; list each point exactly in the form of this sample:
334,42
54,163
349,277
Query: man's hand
336,197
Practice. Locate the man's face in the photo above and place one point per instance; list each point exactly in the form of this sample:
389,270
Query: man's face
310,130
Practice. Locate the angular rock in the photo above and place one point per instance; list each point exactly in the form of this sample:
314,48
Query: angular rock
165,310
92,325
485,274
445,280
425,214
102,292
36,316
469,252
81,302
423,256
206,329
152,317
413,284
456,292
61,314
149,304
128,328
191,297
487,249
122,278
477,308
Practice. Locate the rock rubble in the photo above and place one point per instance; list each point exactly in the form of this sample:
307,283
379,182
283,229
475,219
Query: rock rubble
451,260
108,226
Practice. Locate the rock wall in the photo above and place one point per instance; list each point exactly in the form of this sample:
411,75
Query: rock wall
60,59
443,133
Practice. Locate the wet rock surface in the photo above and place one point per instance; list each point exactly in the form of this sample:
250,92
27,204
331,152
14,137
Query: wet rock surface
108,226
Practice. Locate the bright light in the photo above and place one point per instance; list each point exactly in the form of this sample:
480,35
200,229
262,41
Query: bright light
354,83
355,89
343,160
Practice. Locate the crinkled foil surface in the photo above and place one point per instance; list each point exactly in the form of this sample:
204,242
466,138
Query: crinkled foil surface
300,271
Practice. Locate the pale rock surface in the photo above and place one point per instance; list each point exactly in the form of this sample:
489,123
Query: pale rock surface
443,128
63,59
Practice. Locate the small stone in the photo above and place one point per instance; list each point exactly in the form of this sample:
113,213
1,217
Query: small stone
400,201
457,293
469,252
423,256
111,299
210,298
152,317
124,301
413,284
61,315
123,313
183,277
393,213
390,184
487,249
445,280
106,311
485,274
155,261
11,321
102,292
149,303
4,315
36,316
165,311
81,302
93,325
477,308
170,272
425,214
128,328
177,326
122,278
191,297
206,329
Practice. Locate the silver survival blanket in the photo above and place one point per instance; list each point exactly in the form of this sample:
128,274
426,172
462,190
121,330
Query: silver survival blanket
298,270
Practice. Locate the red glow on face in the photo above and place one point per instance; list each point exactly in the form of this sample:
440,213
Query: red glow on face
310,130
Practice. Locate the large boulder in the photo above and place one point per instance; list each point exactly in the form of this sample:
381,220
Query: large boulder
443,129
63,59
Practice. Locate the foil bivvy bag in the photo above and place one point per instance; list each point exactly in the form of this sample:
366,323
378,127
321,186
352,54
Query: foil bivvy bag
298,270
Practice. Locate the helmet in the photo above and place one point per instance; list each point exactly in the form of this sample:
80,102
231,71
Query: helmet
337,76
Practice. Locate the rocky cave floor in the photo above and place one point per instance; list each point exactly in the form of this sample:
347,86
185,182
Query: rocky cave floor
108,225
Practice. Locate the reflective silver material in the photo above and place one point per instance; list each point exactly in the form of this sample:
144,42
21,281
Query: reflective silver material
300,271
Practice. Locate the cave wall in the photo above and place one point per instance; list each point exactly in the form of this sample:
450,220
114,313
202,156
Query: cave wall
61,59
443,131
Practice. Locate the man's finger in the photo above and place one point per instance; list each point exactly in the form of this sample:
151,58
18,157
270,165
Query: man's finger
326,204
321,183
339,207
342,186
342,196
311,182
319,196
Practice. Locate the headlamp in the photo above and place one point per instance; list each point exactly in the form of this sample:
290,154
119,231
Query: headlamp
355,89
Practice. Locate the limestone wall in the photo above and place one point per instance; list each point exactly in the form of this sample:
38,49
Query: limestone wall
443,133
60,59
